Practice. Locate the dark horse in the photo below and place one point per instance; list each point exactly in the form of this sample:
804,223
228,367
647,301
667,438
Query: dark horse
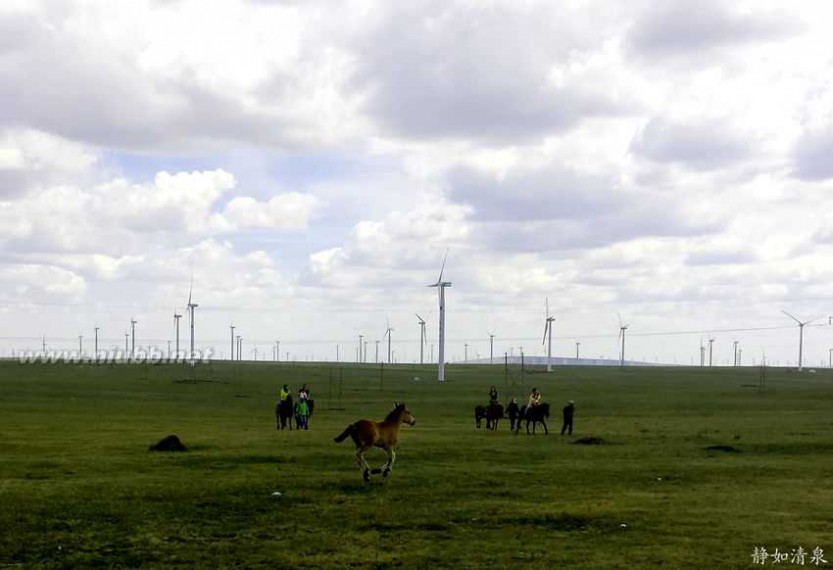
514,413
492,414
534,415
284,412
384,434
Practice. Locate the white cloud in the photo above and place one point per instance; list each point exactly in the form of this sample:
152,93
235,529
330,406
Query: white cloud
310,163
285,211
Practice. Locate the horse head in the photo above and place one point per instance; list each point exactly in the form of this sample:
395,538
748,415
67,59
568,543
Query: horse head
407,417
401,413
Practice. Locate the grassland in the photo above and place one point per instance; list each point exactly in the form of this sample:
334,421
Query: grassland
79,488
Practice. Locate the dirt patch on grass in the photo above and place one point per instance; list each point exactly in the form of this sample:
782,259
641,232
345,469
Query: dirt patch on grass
723,448
565,522
589,441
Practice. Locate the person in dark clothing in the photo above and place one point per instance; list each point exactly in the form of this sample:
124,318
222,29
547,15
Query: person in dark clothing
492,397
568,412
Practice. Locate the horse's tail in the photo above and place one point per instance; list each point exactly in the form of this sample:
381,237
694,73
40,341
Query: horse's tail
348,431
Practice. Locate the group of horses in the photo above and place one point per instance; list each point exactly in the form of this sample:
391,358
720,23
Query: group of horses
367,434
495,412
287,411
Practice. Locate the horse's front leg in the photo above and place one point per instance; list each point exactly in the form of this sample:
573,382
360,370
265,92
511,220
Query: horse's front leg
546,431
389,463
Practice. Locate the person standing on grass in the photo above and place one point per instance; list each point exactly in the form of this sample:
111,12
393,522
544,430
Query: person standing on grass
567,413
302,414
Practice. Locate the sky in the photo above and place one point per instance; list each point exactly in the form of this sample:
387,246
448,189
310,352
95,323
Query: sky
303,168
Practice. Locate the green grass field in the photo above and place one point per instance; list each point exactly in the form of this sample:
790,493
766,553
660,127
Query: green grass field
79,488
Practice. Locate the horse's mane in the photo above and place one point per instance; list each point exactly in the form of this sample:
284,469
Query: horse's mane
395,414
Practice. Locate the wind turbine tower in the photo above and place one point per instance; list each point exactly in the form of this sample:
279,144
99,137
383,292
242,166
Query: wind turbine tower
491,348
441,286
421,338
231,326
133,337
548,334
191,307
387,333
176,324
800,336
711,345
622,329
96,343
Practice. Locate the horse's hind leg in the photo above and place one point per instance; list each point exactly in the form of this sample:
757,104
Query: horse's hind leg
363,466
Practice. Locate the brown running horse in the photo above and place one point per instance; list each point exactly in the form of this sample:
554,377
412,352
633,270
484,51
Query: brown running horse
384,434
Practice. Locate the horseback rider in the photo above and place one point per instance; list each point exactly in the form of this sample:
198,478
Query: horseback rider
534,398
303,392
283,396
492,397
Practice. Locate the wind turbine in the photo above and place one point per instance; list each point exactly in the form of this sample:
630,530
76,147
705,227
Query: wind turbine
441,285
711,347
622,329
422,339
388,330
800,335
548,334
176,324
133,337
231,326
491,347
191,306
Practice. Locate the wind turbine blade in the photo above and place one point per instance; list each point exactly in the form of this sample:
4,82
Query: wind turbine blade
619,316
442,268
544,340
791,316
421,320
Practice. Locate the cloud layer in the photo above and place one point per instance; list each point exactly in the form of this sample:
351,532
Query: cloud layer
309,165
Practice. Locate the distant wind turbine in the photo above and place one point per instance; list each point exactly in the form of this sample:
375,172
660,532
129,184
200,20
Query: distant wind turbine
176,324
422,339
133,337
800,336
711,351
491,347
548,320
622,329
191,306
388,330
441,285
